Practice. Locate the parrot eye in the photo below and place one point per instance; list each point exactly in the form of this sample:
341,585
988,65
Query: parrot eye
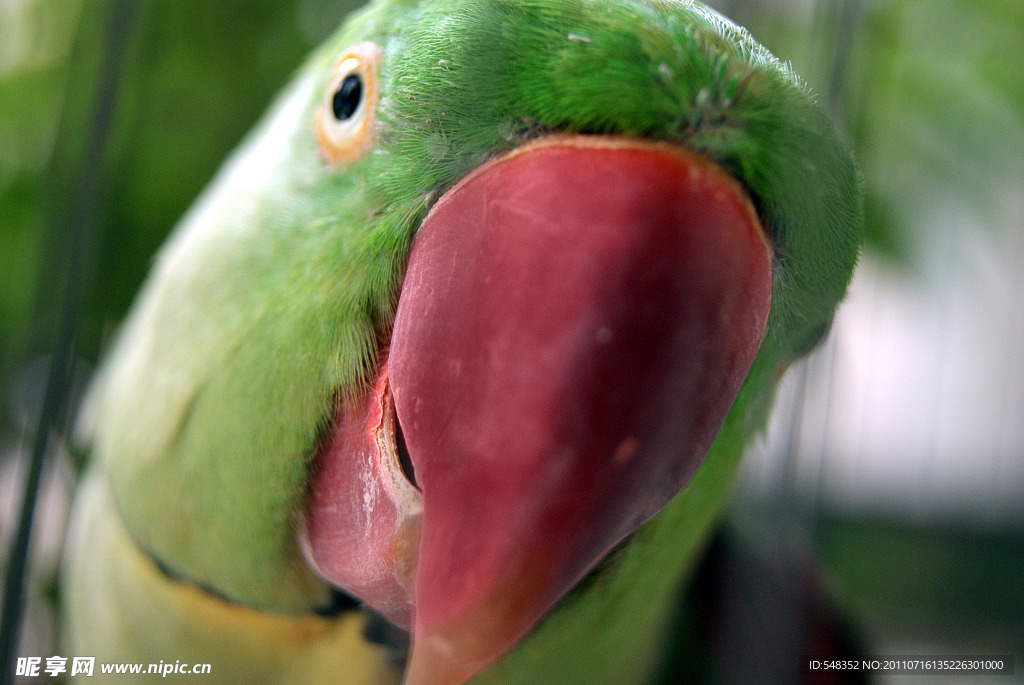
345,118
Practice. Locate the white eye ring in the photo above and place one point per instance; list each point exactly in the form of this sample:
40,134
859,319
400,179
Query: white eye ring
345,120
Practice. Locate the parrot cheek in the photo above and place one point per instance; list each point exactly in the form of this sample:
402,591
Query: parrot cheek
576,320
362,521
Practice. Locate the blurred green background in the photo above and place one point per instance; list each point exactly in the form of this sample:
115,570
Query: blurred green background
896,455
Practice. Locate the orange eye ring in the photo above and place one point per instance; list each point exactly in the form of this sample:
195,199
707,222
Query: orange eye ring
345,120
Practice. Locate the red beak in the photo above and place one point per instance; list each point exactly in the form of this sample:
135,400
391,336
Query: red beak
576,320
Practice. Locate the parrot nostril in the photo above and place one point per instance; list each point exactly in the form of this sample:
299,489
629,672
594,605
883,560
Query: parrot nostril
404,460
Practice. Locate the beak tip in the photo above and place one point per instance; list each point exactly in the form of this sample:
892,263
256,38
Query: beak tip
433,661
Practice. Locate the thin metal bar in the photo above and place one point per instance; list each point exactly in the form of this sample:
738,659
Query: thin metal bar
85,228
849,15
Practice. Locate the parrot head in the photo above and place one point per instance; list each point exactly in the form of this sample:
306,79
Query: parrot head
469,309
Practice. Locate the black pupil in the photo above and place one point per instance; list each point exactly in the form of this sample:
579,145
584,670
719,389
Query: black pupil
347,97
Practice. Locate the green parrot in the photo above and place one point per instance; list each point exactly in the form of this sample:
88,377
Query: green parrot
466,340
